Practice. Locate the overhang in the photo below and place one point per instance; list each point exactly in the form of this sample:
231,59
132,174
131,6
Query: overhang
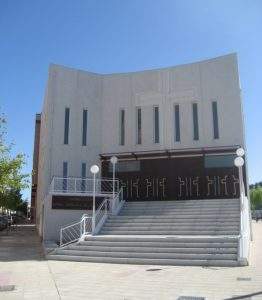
170,153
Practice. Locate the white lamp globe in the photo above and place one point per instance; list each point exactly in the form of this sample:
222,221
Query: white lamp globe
94,169
113,160
240,152
239,161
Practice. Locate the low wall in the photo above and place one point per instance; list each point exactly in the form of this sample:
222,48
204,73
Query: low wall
54,219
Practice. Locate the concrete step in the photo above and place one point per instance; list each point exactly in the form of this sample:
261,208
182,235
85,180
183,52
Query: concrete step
193,233
170,224
143,261
163,239
147,255
149,249
164,207
186,202
174,245
179,216
169,232
194,227
174,222
178,211
197,205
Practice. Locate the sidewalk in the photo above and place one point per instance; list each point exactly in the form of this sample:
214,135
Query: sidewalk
35,278
22,264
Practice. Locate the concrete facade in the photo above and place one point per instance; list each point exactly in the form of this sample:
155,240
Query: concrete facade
104,95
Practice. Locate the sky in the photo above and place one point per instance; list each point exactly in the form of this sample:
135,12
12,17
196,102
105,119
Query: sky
108,36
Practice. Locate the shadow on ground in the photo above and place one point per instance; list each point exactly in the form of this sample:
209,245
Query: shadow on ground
20,243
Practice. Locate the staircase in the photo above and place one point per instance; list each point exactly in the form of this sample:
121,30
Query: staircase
192,232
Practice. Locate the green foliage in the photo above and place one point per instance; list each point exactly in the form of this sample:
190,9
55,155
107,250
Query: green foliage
256,198
255,185
11,176
12,200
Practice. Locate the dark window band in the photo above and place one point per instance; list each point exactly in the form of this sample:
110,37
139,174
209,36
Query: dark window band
215,120
177,123
66,128
156,124
195,121
84,137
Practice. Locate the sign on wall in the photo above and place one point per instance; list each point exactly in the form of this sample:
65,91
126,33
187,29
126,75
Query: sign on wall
74,202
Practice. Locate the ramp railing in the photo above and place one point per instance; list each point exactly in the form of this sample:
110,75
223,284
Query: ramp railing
73,232
87,225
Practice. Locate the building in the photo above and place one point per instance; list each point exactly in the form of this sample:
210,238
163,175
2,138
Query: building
174,130
35,169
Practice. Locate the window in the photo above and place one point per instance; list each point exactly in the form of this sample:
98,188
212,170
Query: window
122,127
126,166
138,125
84,137
66,127
83,175
195,121
65,175
65,169
215,120
177,123
219,161
156,124
83,170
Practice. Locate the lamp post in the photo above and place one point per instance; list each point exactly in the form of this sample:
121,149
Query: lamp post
113,161
239,162
94,170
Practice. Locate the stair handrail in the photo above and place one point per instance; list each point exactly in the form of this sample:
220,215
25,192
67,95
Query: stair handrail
101,215
75,231
117,202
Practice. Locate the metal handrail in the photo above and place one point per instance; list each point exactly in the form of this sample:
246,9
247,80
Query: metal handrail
73,232
83,185
116,201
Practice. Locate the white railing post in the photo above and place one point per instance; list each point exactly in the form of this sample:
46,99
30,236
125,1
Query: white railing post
94,205
244,238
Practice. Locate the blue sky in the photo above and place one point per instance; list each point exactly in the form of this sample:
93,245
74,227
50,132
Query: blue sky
117,36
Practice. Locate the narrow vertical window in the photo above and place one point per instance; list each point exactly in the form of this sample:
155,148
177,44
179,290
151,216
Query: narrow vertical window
195,122
177,123
84,136
65,175
122,127
215,120
66,127
138,125
83,175
156,124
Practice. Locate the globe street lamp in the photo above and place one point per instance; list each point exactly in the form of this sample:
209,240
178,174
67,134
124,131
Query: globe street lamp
239,162
113,161
94,170
240,152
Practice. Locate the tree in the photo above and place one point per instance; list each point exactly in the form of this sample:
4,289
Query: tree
12,200
256,198
11,176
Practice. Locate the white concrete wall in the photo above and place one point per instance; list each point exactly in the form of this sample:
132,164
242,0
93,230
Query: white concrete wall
56,218
104,95
203,82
